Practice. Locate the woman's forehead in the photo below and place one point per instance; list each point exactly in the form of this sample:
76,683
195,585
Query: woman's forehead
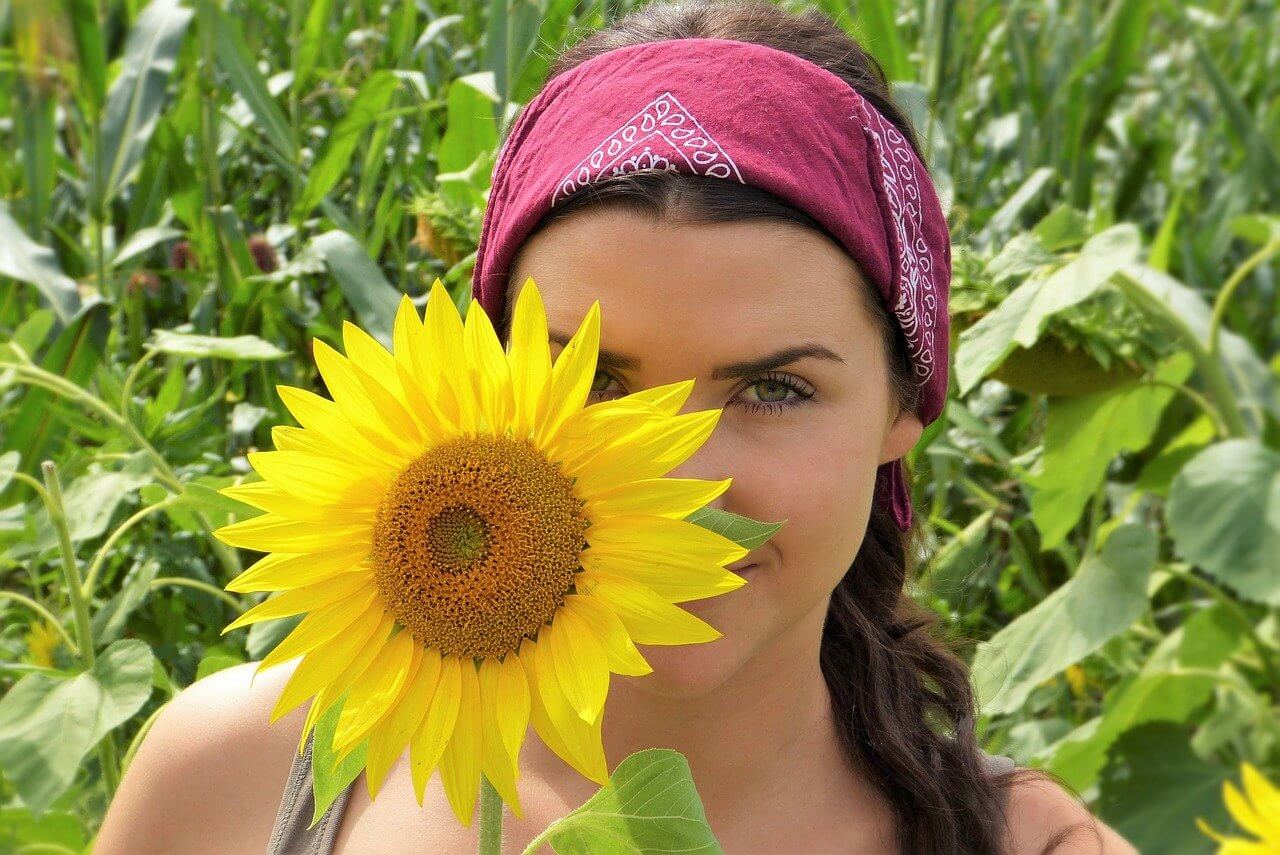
748,278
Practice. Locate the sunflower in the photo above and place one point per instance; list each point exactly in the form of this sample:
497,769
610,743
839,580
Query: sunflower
1258,814
473,548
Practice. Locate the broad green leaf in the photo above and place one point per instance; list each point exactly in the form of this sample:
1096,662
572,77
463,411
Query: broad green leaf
1224,515
1007,217
213,347
1250,380
1084,435
650,806
27,261
76,354
1164,690
137,96
1106,595
54,829
1154,788
330,776
48,724
90,502
236,61
1020,319
143,240
741,530
875,23
366,108
471,129
366,289
8,465
108,622
91,63
1261,229
314,31
32,333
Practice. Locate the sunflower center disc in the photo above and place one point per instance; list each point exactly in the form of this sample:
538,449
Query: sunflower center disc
475,544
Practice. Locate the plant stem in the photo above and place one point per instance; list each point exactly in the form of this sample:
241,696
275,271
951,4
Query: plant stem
36,376
80,606
44,613
199,586
1229,288
1233,608
1216,383
490,819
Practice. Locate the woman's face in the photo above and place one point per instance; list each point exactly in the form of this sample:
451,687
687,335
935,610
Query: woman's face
800,440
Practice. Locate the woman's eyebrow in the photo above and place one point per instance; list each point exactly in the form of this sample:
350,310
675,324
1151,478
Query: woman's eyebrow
746,368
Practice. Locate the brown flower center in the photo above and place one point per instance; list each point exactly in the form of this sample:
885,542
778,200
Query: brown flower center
476,543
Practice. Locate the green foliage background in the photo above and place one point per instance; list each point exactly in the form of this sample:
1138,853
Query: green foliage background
193,191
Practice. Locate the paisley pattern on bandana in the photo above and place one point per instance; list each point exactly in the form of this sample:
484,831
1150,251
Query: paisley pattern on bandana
917,298
650,141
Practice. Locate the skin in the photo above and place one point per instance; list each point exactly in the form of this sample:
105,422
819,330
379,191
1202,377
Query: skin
750,711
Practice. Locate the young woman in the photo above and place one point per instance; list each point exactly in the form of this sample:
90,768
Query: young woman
736,187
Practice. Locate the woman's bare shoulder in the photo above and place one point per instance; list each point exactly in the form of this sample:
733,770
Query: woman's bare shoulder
210,773
1041,812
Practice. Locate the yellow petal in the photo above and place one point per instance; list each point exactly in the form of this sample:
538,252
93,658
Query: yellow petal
649,619
496,763
418,377
326,661
325,419
569,648
428,742
669,398
491,376
571,378
389,739
290,438
674,577
366,351
348,390
587,432
512,704
1265,798
651,451
1243,812
577,743
666,497
305,599
339,685
267,497
273,533
654,538
444,333
460,765
317,628
529,357
374,692
278,571
619,651
320,480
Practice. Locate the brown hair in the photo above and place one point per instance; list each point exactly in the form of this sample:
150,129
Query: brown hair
903,700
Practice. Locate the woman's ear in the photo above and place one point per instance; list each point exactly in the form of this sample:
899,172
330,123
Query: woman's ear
901,436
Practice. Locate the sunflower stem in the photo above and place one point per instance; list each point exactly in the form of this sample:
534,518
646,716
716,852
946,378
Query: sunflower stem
490,819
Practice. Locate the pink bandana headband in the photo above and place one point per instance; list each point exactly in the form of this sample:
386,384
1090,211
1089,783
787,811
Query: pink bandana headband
759,116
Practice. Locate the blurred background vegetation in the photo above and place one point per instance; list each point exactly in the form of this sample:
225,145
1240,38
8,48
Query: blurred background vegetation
194,190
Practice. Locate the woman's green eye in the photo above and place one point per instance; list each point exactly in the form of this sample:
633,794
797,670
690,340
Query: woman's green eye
600,374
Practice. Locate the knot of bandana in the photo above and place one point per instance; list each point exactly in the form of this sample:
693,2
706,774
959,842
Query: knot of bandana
757,115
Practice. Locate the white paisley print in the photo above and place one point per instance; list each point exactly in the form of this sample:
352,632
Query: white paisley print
917,297
649,140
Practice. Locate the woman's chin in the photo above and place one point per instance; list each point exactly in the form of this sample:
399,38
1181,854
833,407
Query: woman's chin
689,670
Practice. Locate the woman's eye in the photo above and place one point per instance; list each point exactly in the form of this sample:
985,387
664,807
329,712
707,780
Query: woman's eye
772,394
